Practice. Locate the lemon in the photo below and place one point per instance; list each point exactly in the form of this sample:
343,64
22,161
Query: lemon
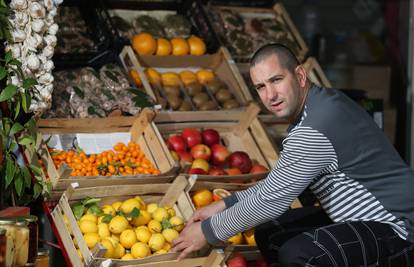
129,204
80,254
91,239
109,248
154,226
143,227
115,237
160,214
119,251
113,241
127,257
249,237
177,223
108,209
171,211
142,204
161,251
156,242
152,207
118,224
116,205
140,250
167,246
103,230
88,227
170,234
236,239
143,234
100,219
89,217
128,238
143,218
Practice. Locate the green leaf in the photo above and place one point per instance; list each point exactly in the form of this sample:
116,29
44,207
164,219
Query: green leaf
108,94
13,145
90,201
16,128
95,209
27,177
111,76
165,223
26,101
36,170
48,187
26,141
10,170
29,82
17,109
8,92
134,213
15,62
37,189
18,183
107,218
78,211
79,92
8,56
3,72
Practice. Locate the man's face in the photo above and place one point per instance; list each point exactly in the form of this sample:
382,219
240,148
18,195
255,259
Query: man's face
281,91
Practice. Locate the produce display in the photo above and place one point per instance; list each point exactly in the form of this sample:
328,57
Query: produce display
33,42
237,259
203,151
86,93
204,197
243,34
145,44
73,35
171,26
187,90
130,229
122,160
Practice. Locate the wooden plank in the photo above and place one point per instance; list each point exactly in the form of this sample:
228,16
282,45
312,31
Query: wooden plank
185,205
214,259
264,142
253,150
141,123
188,116
163,158
245,121
163,145
192,262
173,191
315,73
47,160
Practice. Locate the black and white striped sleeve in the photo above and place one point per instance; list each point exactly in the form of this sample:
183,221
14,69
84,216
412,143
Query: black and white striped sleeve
306,154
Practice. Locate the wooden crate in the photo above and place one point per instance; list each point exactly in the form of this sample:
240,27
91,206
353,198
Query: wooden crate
220,63
316,73
239,131
143,132
279,13
172,195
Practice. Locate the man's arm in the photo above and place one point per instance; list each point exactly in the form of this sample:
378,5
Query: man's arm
306,154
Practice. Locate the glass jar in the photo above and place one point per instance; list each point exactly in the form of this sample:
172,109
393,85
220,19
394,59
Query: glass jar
10,226
33,237
3,247
42,259
22,243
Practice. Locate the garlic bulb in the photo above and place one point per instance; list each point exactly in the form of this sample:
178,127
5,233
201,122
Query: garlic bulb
53,29
48,51
50,40
18,36
36,10
48,4
18,4
37,25
33,62
20,18
48,66
46,78
15,49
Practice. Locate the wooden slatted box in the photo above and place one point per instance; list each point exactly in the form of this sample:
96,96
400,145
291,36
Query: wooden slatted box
172,195
220,63
239,131
143,132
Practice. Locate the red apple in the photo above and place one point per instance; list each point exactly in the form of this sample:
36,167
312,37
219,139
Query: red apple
210,137
260,263
216,171
233,171
236,260
241,160
176,143
192,136
185,156
197,171
201,151
219,154
258,168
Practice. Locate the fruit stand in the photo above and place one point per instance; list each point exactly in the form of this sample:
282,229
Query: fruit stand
150,106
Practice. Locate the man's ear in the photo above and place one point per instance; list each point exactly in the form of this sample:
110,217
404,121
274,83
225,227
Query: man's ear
301,75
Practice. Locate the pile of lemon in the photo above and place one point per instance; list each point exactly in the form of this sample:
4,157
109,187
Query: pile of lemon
125,237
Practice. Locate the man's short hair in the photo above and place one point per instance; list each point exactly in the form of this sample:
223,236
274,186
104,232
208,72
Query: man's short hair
286,57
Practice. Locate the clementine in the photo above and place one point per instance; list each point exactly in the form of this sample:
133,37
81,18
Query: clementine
170,79
205,76
135,77
188,77
197,46
144,44
163,47
153,76
179,46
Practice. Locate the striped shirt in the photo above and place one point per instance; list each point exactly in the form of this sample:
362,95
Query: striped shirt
337,150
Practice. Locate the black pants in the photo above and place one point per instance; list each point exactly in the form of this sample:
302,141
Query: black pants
307,237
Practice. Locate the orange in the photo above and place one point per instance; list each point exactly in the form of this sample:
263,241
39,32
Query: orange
170,79
197,46
179,46
249,237
236,239
205,76
202,198
163,47
188,77
135,76
220,194
144,44
153,76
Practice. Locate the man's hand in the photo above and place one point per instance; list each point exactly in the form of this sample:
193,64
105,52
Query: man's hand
191,239
208,211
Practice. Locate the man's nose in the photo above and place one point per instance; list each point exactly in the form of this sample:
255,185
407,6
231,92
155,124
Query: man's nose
271,92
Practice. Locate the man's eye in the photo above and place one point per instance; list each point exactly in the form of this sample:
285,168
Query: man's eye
258,88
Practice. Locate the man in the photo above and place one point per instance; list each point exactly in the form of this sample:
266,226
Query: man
336,149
